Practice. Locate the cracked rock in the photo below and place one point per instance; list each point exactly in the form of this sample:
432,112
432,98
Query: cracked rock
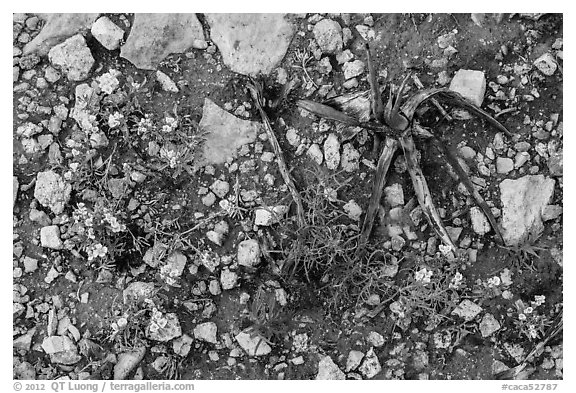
522,203
251,44
488,325
371,365
155,36
73,57
206,332
166,330
249,253
354,360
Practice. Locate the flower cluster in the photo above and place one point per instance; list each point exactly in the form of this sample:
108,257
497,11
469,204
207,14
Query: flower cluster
108,82
114,119
158,320
423,275
530,322
456,281
171,124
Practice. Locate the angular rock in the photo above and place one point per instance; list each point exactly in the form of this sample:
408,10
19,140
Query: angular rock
555,163
73,57
480,223
315,153
328,35
24,341
353,69
550,212
166,83
504,165
61,349
174,266
249,253
220,188
354,360
488,325
15,187
52,191
251,44
546,64
228,279
50,237
137,292
225,134
182,345
107,33
24,371
57,28
328,370
371,365
471,84
467,310
253,345
206,332
394,195
269,216
350,159
522,203
127,361
332,151
155,36
167,332
375,339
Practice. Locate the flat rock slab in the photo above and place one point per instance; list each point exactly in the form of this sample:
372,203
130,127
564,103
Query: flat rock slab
155,36
73,57
57,28
328,370
225,134
523,201
251,44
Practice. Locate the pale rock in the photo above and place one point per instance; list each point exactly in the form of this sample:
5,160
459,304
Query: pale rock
328,35
467,152
489,325
251,44
315,153
52,191
15,187
504,165
57,28
73,57
332,151
224,135
471,84
269,216
206,332
551,212
24,341
174,266
228,279
394,195
522,203
480,223
138,291
350,159
328,370
375,339
546,64
50,237
353,69
353,210
209,199
292,137
30,265
167,332
182,345
107,33
24,371
61,349
344,56
555,163
166,82
467,310
371,365
156,35
215,237
366,32
354,360
521,159
253,344
249,253
454,233
220,188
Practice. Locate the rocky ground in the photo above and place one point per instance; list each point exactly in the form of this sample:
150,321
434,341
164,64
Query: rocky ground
155,237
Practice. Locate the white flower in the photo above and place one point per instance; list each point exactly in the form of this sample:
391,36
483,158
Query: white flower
108,81
114,119
423,275
456,281
521,317
493,281
96,250
445,250
538,300
528,310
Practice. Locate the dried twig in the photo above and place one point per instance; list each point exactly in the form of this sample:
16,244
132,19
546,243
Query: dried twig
255,89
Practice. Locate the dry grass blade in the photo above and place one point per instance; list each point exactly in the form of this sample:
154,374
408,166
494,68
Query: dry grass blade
256,92
465,179
356,105
422,191
330,113
390,146
376,99
420,85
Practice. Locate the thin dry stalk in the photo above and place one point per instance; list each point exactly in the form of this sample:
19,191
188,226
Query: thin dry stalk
256,91
422,191
390,147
